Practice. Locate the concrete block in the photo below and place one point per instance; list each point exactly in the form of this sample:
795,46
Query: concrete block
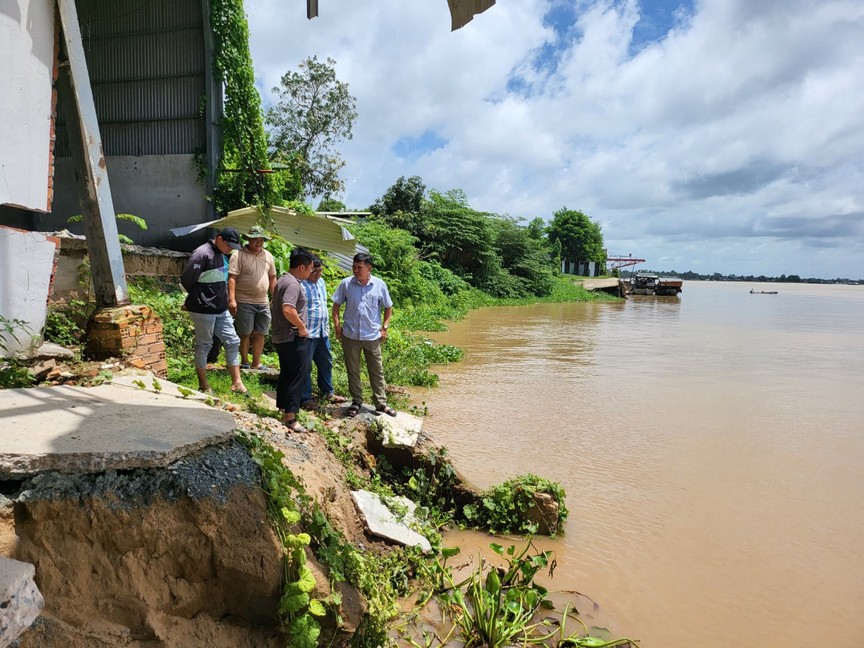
20,599
401,431
113,426
382,522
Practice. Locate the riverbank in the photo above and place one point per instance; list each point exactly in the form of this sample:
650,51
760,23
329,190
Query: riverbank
328,515
173,552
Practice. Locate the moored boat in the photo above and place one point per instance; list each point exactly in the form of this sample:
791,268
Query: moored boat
645,283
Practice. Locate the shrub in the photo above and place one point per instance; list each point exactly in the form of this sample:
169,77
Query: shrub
504,508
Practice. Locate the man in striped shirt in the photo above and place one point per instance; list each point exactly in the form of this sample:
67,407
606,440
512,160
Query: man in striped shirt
317,324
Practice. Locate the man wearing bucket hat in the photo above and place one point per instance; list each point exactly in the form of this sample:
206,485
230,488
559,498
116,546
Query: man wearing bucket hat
251,279
205,279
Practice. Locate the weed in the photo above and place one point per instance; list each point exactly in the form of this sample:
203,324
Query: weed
66,321
505,508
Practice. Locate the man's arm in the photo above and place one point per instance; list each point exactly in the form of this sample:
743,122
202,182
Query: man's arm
293,316
272,273
386,323
192,271
232,300
337,327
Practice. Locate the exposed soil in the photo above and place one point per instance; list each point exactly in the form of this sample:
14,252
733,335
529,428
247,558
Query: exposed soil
175,557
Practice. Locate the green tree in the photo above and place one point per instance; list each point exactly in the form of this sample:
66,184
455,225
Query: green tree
404,195
579,238
460,238
315,111
537,229
331,205
523,256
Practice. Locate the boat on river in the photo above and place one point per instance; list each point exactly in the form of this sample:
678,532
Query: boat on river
646,283
763,292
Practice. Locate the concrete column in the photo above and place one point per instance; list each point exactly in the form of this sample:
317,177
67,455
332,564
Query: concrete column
94,191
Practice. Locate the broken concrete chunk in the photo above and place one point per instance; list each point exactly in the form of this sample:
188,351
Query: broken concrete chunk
382,522
20,599
401,431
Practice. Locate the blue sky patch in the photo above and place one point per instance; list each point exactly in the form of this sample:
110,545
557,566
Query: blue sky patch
656,18
413,147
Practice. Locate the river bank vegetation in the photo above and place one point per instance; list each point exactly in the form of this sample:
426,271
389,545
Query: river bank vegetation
427,293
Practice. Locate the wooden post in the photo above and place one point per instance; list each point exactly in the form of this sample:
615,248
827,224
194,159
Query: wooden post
91,175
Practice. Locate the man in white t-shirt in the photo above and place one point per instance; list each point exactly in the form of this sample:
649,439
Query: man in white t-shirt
251,279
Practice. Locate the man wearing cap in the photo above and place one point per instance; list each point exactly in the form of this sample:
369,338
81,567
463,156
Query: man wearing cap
251,277
205,278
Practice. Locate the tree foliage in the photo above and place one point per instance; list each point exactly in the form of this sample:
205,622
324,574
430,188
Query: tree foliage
523,256
579,238
331,205
405,195
240,181
314,113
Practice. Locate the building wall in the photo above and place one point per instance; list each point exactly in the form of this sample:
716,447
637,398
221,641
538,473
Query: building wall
149,68
164,190
27,56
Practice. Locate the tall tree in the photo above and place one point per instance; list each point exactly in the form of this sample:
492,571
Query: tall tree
579,238
315,111
404,195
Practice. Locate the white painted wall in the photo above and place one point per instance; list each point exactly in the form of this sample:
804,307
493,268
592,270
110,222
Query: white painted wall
26,66
26,264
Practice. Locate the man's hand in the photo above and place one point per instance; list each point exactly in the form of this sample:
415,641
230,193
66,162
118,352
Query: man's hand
383,331
338,329
232,307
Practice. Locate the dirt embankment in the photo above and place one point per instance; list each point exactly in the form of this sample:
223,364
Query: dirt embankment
175,557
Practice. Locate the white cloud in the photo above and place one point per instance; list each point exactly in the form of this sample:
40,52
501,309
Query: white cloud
735,143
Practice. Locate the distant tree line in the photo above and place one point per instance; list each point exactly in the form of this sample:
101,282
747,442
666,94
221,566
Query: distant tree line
716,276
492,252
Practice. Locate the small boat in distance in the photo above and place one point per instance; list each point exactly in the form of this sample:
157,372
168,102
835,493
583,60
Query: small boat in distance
763,292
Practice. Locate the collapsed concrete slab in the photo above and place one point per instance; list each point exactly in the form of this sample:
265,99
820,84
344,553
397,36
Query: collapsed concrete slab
382,522
80,429
20,599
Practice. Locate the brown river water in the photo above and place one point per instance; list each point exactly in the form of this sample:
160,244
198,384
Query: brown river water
711,447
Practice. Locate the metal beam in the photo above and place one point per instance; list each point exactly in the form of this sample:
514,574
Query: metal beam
91,174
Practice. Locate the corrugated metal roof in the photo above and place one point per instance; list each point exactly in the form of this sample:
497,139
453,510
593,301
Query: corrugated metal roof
315,232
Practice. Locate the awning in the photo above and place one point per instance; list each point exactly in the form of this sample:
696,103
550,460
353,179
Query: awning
315,232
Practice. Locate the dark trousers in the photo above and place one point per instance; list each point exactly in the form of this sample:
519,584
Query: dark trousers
294,366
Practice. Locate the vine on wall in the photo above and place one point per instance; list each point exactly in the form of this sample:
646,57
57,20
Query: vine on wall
245,177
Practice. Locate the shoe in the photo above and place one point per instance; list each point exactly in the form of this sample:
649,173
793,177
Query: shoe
335,398
385,409
310,405
294,426
245,366
352,411
262,368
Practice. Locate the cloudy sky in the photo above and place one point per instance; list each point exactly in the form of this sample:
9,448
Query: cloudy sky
721,136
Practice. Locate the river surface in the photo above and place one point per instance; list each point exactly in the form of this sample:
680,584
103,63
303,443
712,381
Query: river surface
711,447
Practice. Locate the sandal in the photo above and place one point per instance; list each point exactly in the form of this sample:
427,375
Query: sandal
385,409
353,410
336,398
294,426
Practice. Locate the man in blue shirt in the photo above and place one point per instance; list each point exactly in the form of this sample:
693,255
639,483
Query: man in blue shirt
318,325
362,329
